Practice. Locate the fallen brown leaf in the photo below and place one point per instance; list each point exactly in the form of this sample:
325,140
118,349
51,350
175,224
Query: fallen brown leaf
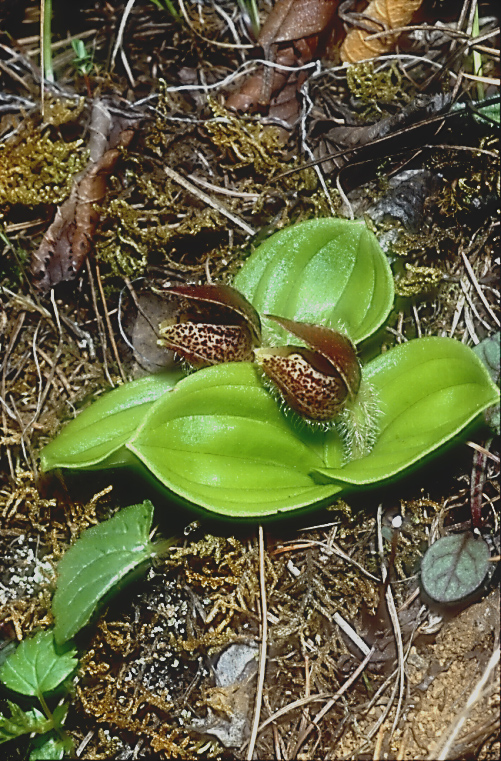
294,34
68,240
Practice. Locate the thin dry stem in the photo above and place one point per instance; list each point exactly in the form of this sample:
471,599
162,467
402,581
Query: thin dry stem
263,648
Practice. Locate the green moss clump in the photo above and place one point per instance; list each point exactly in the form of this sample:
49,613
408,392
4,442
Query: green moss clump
374,86
247,143
36,169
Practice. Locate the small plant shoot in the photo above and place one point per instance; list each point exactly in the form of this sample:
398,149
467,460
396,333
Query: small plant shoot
101,557
22,722
454,568
37,666
247,439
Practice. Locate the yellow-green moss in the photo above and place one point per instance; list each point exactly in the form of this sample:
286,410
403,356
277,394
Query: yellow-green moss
418,280
373,86
36,169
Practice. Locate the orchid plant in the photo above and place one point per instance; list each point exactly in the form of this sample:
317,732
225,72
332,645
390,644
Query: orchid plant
280,413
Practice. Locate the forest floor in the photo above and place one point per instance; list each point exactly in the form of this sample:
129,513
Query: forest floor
170,153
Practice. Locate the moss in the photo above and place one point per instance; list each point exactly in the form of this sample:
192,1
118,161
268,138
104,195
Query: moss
36,168
246,143
374,86
418,280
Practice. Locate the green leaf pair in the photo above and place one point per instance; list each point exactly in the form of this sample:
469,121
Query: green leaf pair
219,440
100,558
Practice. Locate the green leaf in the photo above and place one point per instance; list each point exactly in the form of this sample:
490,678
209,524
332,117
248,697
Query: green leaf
221,441
101,429
22,722
98,560
37,666
428,390
487,111
328,272
51,748
454,567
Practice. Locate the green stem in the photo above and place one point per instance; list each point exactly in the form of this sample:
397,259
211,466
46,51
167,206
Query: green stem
56,727
46,13
477,58
162,547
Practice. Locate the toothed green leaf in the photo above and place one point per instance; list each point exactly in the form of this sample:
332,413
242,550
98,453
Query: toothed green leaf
22,722
37,666
98,560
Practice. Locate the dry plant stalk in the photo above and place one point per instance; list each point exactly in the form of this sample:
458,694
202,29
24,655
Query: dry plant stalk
387,15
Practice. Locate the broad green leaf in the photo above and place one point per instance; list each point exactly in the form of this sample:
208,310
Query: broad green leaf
221,441
36,667
98,560
101,429
428,390
22,722
454,567
328,272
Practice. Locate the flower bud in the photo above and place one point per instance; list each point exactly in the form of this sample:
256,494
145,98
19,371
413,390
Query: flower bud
215,324
318,381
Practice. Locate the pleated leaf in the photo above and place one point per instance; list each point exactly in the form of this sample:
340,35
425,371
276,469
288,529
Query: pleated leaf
103,427
329,272
220,440
428,390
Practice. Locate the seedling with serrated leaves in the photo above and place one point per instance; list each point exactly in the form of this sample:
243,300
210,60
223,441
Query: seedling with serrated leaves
37,668
101,558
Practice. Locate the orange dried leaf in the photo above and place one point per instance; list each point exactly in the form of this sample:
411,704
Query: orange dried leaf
387,14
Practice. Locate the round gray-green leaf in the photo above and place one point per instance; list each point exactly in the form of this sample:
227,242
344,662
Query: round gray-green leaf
98,560
329,272
37,667
454,567
103,427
